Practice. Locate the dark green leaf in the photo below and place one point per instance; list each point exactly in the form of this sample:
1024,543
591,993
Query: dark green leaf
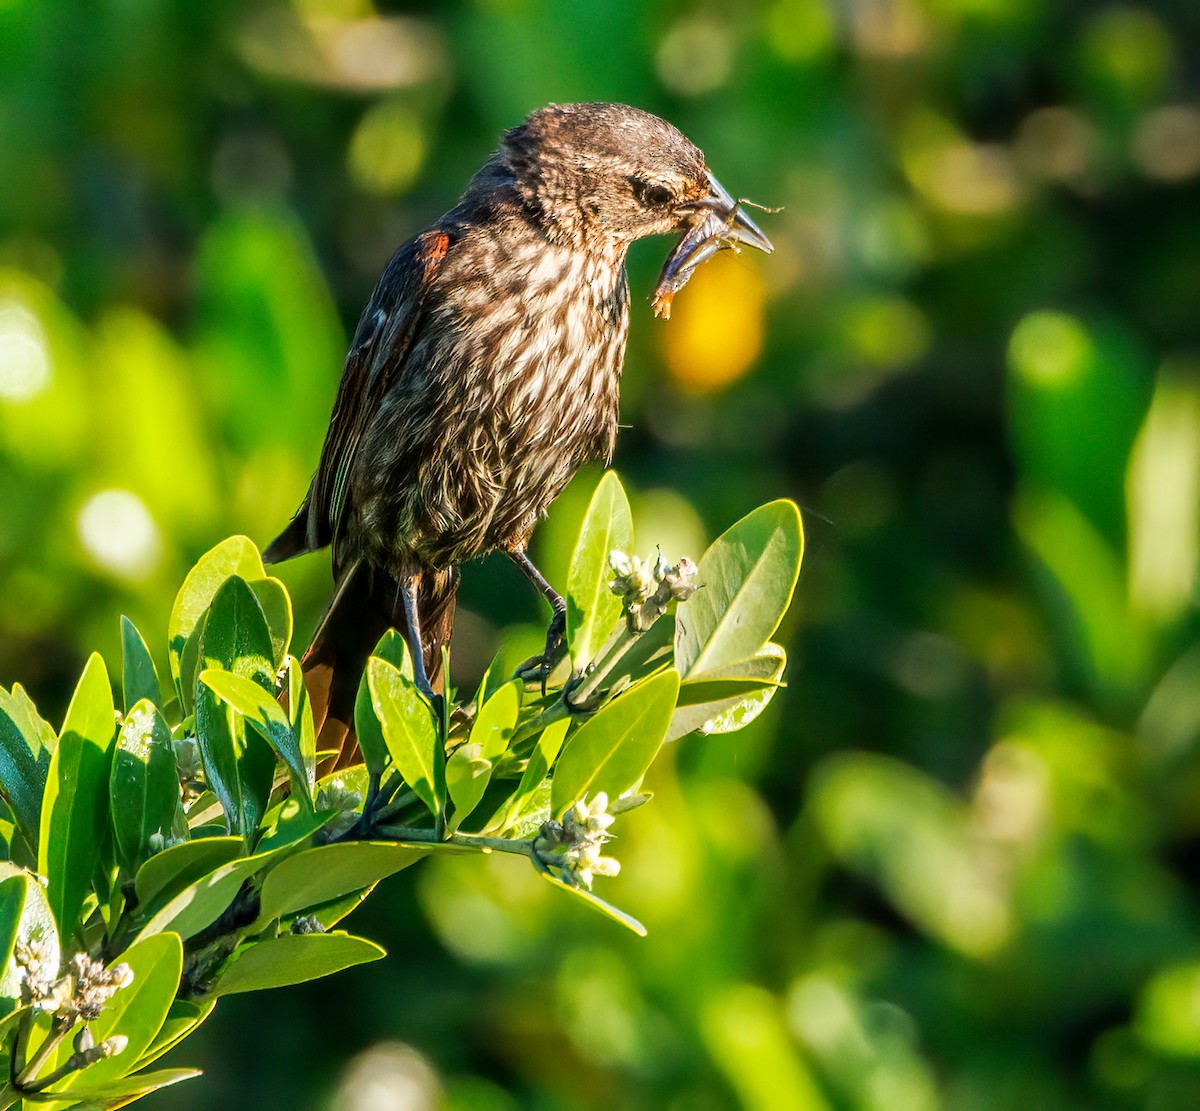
613,749
326,873
24,763
139,679
747,578
410,733
260,710
14,891
592,609
143,784
75,805
289,823
293,959
239,765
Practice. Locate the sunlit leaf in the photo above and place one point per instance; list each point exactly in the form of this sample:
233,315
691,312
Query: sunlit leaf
293,959
36,929
174,868
392,648
121,1093
592,609
276,605
326,873
747,578
729,698
468,773
74,817
592,901
182,1020
235,556
411,735
612,750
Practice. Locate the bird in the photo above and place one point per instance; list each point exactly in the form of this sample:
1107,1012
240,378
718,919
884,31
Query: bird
484,371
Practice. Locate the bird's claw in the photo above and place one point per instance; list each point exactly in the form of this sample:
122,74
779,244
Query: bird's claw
537,669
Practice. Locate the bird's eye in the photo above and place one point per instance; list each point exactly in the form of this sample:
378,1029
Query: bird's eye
651,194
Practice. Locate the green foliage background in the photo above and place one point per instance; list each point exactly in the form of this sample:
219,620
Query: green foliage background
953,864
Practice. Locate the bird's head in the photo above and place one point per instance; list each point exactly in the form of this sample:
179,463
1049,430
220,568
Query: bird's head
607,174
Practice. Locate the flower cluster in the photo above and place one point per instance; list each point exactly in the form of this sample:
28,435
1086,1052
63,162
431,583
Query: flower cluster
78,994
335,795
575,843
646,589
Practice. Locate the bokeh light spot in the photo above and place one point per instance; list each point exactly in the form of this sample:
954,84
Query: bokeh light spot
118,532
716,327
388,149
1050,348
1166,143
24,357
695,56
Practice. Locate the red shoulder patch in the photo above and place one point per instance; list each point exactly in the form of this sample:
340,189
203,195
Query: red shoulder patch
434,246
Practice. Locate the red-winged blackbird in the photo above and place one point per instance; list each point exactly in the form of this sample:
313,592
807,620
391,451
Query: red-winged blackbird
485,369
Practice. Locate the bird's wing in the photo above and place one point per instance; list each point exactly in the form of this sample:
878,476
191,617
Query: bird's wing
378,354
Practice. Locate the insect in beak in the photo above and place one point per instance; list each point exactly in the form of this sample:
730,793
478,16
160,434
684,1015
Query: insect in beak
720,222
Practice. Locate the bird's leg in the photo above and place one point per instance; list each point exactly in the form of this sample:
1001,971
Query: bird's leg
412,619
556,642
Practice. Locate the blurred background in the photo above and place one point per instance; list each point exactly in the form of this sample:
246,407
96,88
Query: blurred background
955,864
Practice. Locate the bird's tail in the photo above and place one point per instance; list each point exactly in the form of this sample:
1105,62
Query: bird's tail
366,603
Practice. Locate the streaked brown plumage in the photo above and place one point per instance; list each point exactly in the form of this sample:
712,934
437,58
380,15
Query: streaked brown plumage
484,371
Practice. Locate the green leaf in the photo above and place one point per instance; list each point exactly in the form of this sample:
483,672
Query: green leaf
468,773
260,710
536,770
38,733
14,892
592,901
121,1093
276,605
37,928
235,556
392,648
201,903
293,959
747,578
170,871
139,679
137,1012
326,873
300,714
593,609
184,1017
613,749
410,733
729,698
239,765
143,783
75,805
496,720
24,763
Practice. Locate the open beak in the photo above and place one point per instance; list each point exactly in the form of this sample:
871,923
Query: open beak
721,222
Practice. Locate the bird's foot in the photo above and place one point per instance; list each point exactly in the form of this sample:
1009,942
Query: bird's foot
537,669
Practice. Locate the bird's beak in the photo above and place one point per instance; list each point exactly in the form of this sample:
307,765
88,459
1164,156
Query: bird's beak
720,221
736,226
